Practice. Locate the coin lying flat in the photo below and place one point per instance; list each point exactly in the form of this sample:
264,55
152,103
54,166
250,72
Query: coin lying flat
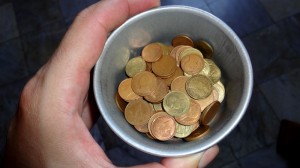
209,112
161,90
134,66
152,52
144,83
199,86
162,126
178,84
176,103
192,116
182,40
192,64
198,133
164,67
125,91
138,112
183,131
142,128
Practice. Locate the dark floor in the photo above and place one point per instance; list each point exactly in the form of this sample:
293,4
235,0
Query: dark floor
270,29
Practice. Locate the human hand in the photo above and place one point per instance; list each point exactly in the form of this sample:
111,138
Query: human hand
51,127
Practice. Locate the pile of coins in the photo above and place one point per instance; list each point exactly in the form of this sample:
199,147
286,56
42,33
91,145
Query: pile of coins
172,91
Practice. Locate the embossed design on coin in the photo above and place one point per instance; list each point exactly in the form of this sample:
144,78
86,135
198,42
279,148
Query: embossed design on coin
176,103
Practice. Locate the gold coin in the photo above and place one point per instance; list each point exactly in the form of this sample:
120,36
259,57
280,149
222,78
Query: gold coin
188,51
192,64
125,91
121,104
210,112
214,71
157,107
199,86
134,66
198,133
182,40
144,83
205,48
152,52
192,116
178,84
138,112
178,72
178,53
206,68
176,103
164,67
219,87
183,131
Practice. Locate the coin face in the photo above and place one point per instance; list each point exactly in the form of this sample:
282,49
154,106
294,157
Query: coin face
176,103
178,84
162,126
199,86
138,112
161,90
125,91
134,66
192,116
204,47
192,64
152,52
182,40
144,83
183,131
198,133
164,67
210,112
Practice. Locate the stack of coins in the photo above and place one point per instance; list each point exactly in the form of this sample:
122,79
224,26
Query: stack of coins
172,91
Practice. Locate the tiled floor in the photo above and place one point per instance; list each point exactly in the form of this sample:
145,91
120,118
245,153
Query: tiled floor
270,29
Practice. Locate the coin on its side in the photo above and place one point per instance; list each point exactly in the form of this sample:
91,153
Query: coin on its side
205,48
198,133
121,104
182,40
210,112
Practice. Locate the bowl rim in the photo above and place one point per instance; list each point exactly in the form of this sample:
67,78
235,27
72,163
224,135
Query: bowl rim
244,102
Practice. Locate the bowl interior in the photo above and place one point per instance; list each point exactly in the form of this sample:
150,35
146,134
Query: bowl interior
161,25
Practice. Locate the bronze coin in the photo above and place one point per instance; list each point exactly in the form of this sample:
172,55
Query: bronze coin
201,131
178,72
126,92
138,112
174,51
192,116
152,52
204,47
161,90
182,40
142,128
162,126
164,67
121,104
144,83
210,112
192,64
178,84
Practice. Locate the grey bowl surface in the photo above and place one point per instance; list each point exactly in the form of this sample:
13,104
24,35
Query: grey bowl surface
161,25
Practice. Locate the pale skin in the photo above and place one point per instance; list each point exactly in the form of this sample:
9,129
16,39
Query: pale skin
51,127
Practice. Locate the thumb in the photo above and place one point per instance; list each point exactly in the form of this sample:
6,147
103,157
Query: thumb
200,160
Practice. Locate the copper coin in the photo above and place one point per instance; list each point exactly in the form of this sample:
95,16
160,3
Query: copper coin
192,64
206,101
210,112
178,53
142,128
144,83
138,112
198,133
192,116
121,104
161,90
204,47
162,126
126,92
164,67
178,72
178,84
182,40
149,66
174,51
152,52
